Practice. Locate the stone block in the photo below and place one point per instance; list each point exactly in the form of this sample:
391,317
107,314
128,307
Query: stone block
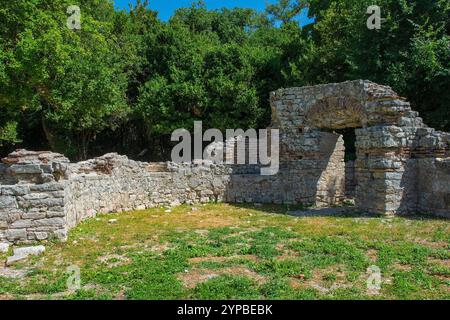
25,169
8,202
14,235
4,247
21,224
15,190
49,222
23,253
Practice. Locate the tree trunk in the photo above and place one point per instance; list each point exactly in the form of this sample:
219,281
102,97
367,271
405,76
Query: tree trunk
51,139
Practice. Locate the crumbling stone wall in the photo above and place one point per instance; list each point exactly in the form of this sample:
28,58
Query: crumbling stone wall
32,204
402,167
50,195
389,139
114,183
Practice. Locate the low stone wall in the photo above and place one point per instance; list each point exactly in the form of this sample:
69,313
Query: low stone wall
51,195
131,185
32,212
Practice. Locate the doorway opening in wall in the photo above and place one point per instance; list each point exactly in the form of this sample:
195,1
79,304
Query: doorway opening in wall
349,137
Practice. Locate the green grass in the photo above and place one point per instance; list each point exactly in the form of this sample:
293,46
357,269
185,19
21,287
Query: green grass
226,251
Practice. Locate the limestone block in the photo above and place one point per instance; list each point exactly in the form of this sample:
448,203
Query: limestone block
23,253
14,235
22,223
25,169
15,190
4,247
8,202
49,222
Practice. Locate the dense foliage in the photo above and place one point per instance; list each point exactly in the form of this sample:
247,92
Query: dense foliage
126,80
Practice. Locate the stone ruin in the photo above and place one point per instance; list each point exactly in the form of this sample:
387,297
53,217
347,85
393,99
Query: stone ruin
401,167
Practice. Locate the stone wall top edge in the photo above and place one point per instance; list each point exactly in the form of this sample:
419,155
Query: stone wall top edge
325,85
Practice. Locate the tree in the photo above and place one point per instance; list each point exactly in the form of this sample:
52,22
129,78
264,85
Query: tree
285,11
74,78
200,69
410,52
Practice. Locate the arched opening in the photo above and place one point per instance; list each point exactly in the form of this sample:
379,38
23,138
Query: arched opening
340,116
315,122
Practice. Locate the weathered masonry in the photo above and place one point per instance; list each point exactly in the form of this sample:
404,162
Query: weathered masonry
401,167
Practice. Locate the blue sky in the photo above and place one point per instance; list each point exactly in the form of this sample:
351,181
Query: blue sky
167,7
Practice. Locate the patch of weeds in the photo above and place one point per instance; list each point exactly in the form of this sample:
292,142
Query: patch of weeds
227,287
154,278
8,285
439,270
401,252
329,277
45,282
272,234
442,254
441,234
263,250
214,265
89,294
284,268
325,251
282,289
415,283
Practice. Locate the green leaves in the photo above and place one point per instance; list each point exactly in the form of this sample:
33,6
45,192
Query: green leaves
194,75
8,134
410,52
74,77
126,80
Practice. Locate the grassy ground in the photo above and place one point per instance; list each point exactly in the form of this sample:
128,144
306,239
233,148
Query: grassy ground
222,251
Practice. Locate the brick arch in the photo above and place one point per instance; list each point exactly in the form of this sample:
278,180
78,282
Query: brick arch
337,112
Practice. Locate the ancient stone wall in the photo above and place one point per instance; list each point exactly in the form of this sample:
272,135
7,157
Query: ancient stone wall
32,205
44,204
402,167
128,185
389,138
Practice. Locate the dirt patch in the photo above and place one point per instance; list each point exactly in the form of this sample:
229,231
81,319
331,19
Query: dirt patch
6,296
160,248
197,260
114,260
203,233
444,262
53,296
402,267
204,219
191,278
121,295
287,254
320,282
13,273
372,254
432,244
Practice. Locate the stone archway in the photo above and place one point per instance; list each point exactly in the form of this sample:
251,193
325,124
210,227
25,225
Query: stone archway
334,116
385,136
